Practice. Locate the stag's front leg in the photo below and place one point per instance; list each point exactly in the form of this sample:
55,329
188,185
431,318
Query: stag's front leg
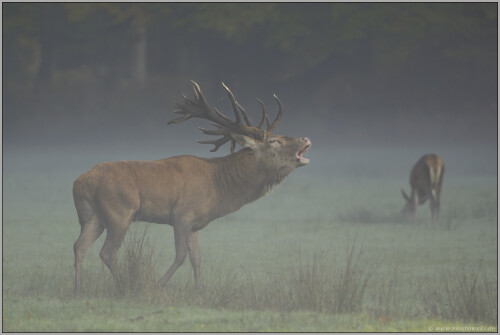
181,234
195,257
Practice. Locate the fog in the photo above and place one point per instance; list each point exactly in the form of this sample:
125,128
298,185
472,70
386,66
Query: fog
372,93
374,86
340,148
345,146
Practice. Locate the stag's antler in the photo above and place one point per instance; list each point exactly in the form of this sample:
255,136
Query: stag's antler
225,126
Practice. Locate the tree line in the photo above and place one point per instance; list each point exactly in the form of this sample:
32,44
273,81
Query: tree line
405,51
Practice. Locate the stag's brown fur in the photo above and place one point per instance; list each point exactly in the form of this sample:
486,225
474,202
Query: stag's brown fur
426,180
186,192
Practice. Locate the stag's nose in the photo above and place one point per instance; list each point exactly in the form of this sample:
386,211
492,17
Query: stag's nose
306,139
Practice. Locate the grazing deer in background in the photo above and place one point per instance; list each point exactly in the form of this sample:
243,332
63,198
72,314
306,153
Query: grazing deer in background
186,192
426,180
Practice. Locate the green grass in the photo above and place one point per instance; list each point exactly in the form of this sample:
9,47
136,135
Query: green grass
103,315
321,253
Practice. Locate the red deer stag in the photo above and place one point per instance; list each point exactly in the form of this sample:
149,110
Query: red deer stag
426,179
186,192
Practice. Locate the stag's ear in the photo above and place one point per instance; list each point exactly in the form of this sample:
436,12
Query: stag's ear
244,141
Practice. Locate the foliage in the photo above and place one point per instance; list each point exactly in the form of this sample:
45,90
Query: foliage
385,32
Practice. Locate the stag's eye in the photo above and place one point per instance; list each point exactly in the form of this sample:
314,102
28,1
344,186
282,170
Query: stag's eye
275,141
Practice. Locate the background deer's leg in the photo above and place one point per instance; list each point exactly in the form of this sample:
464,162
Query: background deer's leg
438,206
438,193
181,233
195,257
414,203
434,204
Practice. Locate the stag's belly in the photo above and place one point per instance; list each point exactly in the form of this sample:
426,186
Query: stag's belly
178,211
154,213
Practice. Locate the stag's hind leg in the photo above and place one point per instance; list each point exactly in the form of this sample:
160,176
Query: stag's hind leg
91,229
117,227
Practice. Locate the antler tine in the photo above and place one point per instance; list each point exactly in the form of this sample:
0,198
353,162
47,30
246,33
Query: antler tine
245,115
219,142
280,111
180,119
185,116
237,108
219,131
199,96
264,115
197,91
199,108
222,115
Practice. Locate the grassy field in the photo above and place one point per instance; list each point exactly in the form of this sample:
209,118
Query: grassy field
323,252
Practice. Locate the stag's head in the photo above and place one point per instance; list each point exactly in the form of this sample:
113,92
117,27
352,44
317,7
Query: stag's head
278,152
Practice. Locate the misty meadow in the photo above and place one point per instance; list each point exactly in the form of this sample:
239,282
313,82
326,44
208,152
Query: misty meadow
374,87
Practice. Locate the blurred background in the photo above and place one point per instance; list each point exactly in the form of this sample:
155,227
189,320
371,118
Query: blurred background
403,77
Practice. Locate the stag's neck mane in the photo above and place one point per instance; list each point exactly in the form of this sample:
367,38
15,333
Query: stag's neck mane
241,178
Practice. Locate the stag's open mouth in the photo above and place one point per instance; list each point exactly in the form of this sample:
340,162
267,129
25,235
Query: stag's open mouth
302,151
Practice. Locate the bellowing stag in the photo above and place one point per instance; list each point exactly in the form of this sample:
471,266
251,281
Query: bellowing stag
426,180
186,192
